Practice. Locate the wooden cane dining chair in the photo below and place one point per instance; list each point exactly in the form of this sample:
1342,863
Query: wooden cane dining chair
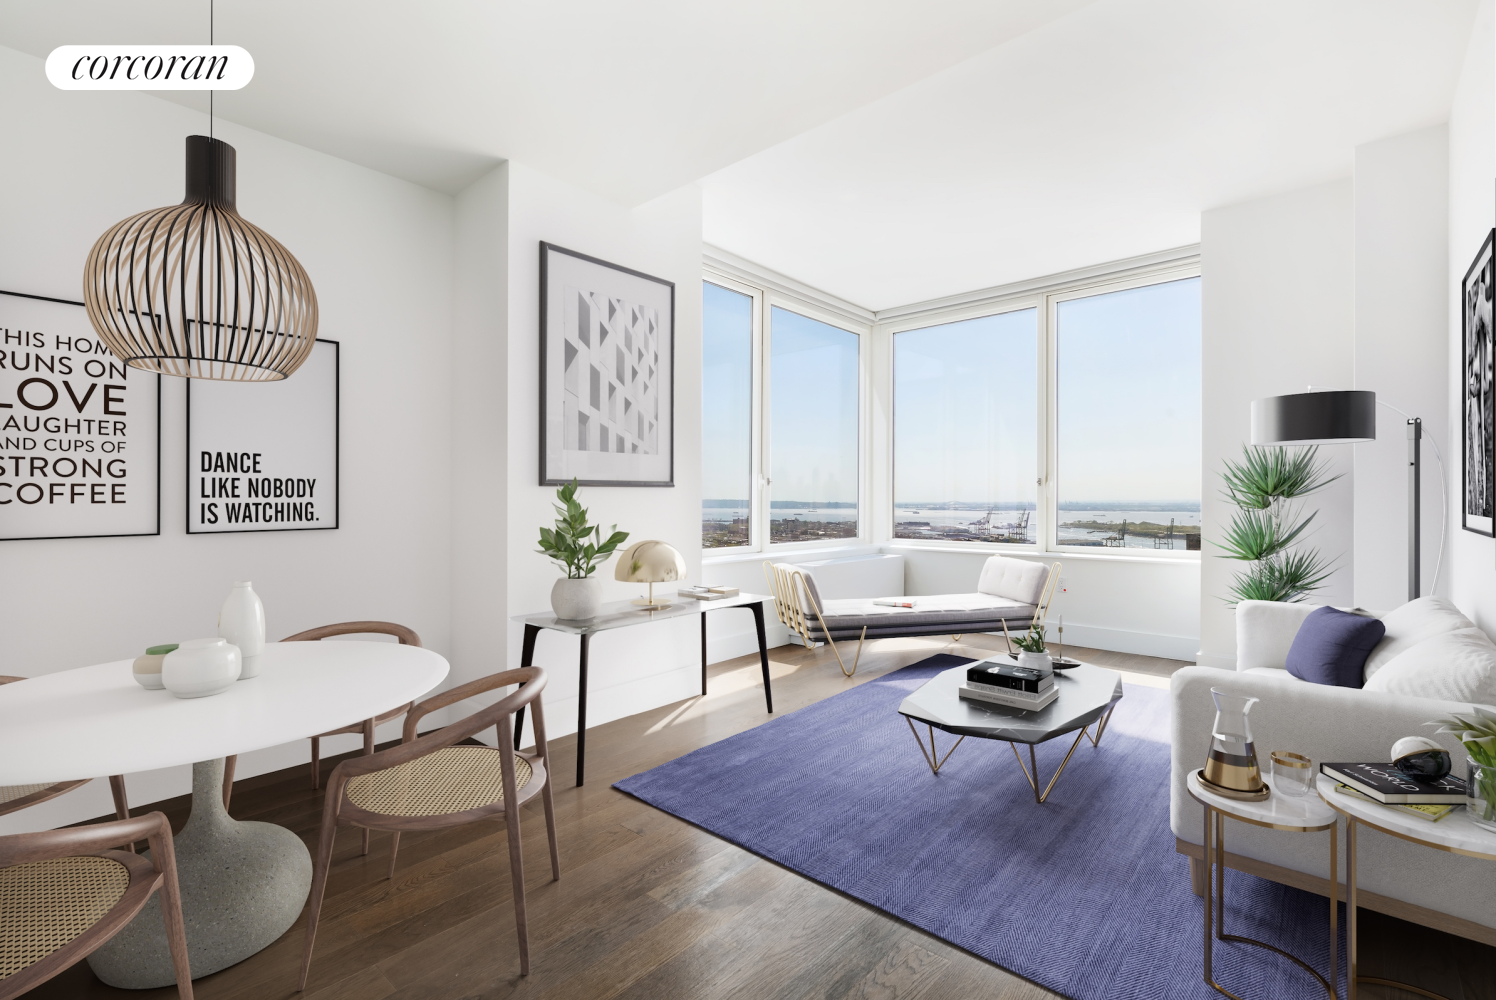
63,893
407,637
16,797
432,783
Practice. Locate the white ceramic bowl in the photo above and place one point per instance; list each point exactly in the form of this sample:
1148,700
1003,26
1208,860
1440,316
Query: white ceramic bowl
200,668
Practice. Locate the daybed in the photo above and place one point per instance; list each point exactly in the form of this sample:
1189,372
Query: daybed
1432,662
1011,593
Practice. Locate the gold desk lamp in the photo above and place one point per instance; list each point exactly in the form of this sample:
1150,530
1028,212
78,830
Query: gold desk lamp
651,562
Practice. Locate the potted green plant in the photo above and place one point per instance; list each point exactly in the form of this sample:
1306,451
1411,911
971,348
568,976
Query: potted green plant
1267,528
577,548
1034,654
1478,734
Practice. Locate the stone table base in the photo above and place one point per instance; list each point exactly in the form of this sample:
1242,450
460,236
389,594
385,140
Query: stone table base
243,886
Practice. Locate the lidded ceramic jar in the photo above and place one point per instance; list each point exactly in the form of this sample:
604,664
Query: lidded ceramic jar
200,668
147,668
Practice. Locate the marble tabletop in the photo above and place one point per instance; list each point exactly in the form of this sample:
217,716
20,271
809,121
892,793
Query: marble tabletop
621,614
1086,693
1301,813
1456,832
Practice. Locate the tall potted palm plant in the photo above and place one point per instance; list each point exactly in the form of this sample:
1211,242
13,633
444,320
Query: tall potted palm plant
1267,528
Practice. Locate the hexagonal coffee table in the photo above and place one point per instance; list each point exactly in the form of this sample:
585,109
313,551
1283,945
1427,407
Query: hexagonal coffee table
1088,694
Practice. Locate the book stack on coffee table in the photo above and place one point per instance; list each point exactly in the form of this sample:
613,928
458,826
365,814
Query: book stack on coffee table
1010,685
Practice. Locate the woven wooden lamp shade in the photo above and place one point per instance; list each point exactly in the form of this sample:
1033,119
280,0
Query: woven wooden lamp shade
195,290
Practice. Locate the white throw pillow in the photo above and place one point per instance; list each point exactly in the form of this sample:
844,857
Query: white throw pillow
1455,666
1411,624
1015,579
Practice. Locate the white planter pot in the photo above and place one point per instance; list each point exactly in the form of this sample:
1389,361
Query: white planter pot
241,622
576,599
200,668
1036,661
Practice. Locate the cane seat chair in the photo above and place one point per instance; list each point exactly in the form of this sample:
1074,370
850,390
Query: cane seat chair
63,893
16,797
436,781
407,637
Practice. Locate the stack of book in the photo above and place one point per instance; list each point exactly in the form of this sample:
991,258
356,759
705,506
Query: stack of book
709,593
1383,783
1009,685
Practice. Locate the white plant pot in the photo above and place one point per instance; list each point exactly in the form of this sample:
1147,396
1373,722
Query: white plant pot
241,622
200,668
1036,661
574,600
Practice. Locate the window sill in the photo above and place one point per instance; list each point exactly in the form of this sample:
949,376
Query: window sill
1030,552
793,554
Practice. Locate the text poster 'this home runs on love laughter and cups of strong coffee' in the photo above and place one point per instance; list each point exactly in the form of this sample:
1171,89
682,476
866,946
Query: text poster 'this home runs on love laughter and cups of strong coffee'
80,444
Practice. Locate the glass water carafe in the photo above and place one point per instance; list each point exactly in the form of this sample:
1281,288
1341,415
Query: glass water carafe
1232,763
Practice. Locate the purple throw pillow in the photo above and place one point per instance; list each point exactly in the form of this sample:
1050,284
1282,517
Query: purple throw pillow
1331,647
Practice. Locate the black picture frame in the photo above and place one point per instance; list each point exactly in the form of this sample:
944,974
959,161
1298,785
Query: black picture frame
125,534
1478,395
337,457
550,474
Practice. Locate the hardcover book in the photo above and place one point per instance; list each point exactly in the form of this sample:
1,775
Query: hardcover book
1009,676
1431,813
1385,784
1010,699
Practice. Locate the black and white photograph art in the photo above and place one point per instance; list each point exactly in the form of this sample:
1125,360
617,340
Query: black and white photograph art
607,373
1479,415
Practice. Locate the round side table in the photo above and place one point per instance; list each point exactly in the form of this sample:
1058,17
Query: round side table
1455,833
1301,814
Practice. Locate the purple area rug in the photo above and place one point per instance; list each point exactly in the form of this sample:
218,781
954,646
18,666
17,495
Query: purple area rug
1084,894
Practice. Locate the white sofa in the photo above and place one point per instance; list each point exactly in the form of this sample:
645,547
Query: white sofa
1429,653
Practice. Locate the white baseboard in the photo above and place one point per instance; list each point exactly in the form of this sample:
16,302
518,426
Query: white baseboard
1175,647
735,644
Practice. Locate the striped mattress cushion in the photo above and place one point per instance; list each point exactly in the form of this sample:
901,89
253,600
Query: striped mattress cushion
930,616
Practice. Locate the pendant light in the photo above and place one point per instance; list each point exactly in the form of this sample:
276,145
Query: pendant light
196,290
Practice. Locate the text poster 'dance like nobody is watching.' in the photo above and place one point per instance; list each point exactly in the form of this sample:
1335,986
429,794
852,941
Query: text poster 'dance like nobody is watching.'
80,443
263,456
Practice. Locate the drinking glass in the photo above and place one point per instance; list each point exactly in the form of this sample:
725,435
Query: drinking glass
1293,773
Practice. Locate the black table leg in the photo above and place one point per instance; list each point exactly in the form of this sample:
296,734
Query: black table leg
526,659
582,712
703,653
763,653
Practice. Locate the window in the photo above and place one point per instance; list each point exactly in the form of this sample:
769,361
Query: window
813,429
1127,406
966,434
726,416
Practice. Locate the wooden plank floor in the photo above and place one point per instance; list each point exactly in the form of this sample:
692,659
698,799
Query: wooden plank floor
648,906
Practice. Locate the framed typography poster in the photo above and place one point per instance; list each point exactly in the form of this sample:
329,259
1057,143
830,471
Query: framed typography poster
263,456
607,373
80,431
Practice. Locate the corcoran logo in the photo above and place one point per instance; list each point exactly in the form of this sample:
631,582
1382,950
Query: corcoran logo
149,67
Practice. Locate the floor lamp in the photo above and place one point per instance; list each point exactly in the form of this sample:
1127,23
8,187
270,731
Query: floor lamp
1341,417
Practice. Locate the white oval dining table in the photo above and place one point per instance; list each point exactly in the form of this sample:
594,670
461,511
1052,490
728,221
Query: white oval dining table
243,883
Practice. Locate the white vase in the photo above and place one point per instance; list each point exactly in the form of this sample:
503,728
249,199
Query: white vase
241,621
1036,661
574,600
200,668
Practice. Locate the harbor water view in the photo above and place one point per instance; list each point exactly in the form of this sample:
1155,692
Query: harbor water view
1153,526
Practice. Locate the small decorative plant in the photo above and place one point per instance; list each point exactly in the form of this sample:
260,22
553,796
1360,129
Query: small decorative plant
576,546
1032,641
1267,524
1478,734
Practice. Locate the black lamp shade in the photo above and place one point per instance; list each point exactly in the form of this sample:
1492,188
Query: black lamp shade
1305,418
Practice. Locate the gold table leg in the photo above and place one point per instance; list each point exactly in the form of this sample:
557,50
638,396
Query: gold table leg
1215,899
1033,778
1352,973
930,758
1100,727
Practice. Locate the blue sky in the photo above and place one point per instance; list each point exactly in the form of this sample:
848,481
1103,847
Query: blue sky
966,402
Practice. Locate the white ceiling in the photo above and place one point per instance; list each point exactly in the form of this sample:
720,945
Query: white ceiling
1097,136
884,151
629,99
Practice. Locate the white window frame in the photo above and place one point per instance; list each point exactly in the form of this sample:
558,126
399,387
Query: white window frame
1044,295
766,296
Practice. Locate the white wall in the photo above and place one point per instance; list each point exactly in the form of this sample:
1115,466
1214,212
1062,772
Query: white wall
1278,288
1472,166
379,252
643,666
1401,352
